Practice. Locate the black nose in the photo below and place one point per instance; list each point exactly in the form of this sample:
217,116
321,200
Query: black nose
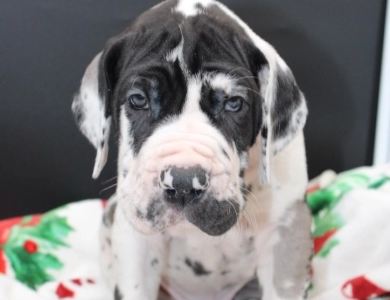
184,185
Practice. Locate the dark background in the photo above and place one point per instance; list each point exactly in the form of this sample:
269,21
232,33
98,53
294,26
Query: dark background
333,47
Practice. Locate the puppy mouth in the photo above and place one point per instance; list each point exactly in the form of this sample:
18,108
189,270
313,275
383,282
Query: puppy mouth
214,217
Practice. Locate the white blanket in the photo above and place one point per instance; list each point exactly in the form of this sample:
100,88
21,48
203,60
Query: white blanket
55,255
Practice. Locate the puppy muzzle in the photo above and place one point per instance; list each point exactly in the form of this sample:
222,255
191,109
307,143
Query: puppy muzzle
184,179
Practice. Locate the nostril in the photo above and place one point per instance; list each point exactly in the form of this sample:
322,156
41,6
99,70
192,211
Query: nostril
170,193
197,193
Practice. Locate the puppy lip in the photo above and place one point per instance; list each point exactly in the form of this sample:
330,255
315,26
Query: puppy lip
214,217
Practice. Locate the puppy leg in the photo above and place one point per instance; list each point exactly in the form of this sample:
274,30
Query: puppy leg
284,268
138,263
133,262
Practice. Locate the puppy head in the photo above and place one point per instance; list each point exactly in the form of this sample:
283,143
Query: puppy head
189,88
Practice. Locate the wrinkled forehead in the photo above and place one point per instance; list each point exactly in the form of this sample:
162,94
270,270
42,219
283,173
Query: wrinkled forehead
197,38
187,61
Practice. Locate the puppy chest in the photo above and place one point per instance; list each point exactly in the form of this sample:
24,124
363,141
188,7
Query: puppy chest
215,268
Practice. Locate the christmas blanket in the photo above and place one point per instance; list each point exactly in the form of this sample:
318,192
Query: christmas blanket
55,255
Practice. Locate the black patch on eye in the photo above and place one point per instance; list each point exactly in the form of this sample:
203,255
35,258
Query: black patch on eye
196,267
237,127
109,214
217,44
242,173
117,294
166,100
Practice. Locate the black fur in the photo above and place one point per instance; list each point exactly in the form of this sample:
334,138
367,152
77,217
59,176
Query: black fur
183,191
154,262
196,267
109,215
135,60
288,98
212,216
117,294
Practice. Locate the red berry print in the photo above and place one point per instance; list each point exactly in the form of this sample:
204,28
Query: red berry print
361,288
63,292
76,281
320,241
30,246
2,262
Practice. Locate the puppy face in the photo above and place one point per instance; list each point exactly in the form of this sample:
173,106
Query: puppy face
186,87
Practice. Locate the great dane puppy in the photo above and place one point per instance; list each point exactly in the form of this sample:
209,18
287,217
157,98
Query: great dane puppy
211,165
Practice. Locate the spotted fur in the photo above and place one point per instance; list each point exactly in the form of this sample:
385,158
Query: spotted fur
211,162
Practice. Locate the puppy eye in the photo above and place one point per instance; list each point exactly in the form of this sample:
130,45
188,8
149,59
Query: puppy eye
138,101
234,104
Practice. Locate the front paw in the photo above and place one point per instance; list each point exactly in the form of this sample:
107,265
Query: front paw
135,294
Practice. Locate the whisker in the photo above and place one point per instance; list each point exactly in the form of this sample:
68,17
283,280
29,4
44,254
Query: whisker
249,192
244,77
107,188
238,69
142,77
256,199
252,90
251,219
109,180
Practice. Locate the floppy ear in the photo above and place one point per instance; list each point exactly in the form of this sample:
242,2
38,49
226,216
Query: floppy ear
92,104
284,108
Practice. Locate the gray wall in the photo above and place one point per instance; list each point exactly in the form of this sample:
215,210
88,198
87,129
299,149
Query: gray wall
333,47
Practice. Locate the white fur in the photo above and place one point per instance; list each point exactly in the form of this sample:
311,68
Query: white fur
185,140
94,124
176,53
222,82
268,75
188,7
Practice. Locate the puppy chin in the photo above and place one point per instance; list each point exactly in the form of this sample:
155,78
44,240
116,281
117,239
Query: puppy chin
213,217
156,226
144,228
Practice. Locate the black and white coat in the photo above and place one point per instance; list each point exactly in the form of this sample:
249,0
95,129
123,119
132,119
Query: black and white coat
211,166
